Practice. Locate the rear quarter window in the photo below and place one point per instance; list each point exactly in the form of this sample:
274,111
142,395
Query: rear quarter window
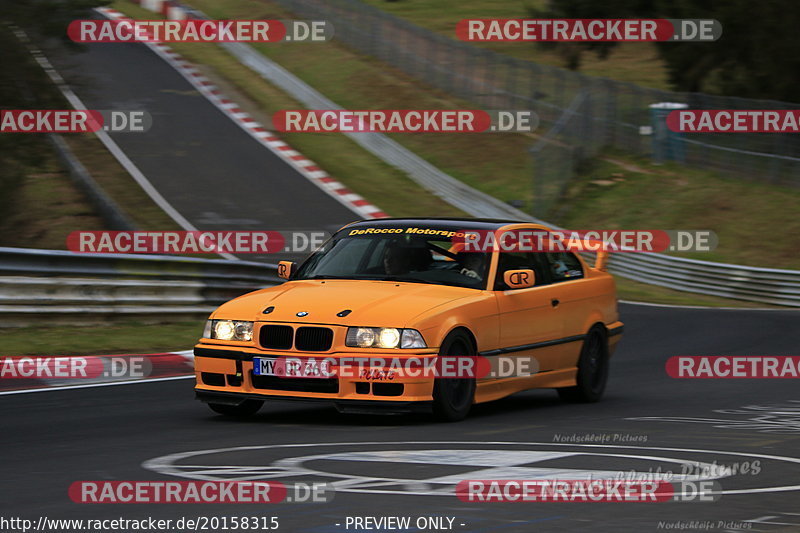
564,266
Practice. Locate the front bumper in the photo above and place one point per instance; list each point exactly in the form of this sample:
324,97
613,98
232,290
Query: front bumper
343,406
224,374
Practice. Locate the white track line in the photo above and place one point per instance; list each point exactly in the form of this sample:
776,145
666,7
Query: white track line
109,143
675,306
301,164
93,385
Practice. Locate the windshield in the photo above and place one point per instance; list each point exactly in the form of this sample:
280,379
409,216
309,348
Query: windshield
414,255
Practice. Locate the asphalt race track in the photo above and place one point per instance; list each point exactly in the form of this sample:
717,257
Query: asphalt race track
107,433
210,170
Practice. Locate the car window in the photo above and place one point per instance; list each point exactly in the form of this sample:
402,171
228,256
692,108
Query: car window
350,254
374,257
406,254
516,261
564,266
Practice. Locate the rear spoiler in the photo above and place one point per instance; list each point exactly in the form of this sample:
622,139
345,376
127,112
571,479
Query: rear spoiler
601,261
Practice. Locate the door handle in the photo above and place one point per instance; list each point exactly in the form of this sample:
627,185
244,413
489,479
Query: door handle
555,302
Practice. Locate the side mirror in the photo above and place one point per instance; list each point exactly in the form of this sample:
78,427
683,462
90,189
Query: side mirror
286,269
519,279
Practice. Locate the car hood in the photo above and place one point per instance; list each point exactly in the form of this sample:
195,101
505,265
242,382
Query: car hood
371,303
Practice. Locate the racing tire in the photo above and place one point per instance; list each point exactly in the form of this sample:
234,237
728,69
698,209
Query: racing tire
453,397
592,369
244,409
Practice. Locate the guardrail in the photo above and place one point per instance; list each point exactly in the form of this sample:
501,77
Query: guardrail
69,287
755,284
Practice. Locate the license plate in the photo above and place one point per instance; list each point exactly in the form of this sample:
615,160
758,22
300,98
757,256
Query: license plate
264,366
292,367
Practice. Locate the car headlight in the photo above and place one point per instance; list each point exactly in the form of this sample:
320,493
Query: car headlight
228,330
384,338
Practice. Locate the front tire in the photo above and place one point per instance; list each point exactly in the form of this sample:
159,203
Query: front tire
244,409
592,369
453,397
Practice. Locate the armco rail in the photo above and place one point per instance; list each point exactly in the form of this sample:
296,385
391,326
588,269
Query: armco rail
65,284
69,286
765,285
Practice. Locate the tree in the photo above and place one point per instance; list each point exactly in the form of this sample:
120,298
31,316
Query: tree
572,53
23,84
758,55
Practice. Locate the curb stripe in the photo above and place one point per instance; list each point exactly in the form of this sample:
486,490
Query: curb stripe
307,168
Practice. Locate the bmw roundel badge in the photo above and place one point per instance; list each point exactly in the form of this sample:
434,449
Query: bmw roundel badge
302,313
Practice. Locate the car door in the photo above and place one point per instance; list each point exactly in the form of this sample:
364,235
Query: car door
529,318
567,274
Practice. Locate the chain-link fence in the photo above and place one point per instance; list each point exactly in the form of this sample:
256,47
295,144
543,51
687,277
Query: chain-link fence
583,114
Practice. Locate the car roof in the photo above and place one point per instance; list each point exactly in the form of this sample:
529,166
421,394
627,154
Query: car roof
439,222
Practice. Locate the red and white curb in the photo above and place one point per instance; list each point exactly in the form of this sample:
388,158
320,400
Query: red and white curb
302,164
160,366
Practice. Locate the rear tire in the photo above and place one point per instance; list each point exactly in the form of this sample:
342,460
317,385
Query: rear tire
592,369
244,409
453,397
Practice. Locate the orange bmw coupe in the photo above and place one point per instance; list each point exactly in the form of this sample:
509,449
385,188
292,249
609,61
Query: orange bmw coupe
397,290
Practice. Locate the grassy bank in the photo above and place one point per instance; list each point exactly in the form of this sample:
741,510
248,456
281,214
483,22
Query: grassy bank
629,62
116,338
752,220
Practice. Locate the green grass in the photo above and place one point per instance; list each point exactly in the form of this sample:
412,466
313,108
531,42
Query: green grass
641,292
108,339
46,207
753,221
118,184
629,62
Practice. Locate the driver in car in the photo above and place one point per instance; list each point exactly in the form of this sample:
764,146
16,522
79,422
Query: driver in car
399,260
470,264
395,261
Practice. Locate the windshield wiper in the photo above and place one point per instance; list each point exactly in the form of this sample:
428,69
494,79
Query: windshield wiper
408,280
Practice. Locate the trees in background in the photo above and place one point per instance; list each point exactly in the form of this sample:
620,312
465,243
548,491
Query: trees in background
23,84
758,55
